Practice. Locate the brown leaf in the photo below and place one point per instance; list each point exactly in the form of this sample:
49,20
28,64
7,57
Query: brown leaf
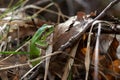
16,77
61,35
70,62
92,14
23,32
80,15
115,66
112,50
109,77
83,50
3,75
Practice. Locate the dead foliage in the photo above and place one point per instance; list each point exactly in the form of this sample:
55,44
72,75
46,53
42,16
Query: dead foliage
84,47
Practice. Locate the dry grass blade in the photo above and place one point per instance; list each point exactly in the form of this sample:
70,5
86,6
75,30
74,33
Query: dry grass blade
48,51
103,75
51,54
69,39
42,60
96,52
13,66
70,62
60,14
31,70
42,9
87,56
73,39
15,51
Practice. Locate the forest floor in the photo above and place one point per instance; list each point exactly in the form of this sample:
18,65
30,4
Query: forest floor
59,40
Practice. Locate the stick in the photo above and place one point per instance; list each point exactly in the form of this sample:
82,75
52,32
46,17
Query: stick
73,39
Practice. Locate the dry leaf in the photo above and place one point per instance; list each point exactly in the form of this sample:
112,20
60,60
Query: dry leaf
61,35
113,49
115,66
70,62
80,15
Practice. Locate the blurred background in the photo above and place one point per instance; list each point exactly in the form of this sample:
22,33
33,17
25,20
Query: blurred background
71,7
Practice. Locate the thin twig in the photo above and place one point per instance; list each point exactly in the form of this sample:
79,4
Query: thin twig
31,70
40,2
40,8
42,60
106,9
73,39
13,66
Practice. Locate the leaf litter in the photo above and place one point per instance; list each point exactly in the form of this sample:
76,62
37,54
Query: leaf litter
92,56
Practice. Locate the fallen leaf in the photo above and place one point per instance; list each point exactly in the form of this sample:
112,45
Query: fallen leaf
113,49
